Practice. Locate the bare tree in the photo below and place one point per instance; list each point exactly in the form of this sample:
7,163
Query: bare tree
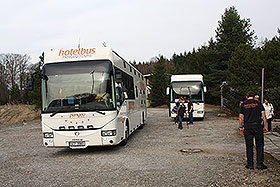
14,69
3,86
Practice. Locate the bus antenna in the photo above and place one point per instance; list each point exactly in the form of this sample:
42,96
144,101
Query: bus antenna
79,44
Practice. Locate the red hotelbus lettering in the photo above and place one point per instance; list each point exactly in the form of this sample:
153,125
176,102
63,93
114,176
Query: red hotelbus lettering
80,51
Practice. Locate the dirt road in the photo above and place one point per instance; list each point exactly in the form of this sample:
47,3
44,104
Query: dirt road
214,156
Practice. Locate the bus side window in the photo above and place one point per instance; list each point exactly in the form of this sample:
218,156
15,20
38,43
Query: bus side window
119,95
125,81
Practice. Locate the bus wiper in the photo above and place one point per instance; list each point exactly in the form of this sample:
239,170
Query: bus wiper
54,113
98,111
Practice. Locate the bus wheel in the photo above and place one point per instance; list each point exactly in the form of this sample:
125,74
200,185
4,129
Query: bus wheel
143,121
126,134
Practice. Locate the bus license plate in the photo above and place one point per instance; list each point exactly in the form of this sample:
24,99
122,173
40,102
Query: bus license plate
77,144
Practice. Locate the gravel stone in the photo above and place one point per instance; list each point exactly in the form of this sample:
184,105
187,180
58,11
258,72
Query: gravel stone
152,157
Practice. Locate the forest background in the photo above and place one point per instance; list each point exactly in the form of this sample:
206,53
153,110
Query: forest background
232,56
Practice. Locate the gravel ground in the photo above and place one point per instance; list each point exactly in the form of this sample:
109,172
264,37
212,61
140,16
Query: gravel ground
215,156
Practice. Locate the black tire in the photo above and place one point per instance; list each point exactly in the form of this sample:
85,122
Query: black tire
143,121
125,140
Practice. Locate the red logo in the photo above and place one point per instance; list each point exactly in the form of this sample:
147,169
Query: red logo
80,51
81,115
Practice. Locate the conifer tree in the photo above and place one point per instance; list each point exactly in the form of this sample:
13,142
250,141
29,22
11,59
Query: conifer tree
159,83
231,32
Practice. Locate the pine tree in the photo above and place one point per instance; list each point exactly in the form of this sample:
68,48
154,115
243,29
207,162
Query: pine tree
159,83
231,32
244,74
35,96
15,94
270,55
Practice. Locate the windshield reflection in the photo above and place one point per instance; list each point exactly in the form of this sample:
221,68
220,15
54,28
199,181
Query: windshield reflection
78,86
190,90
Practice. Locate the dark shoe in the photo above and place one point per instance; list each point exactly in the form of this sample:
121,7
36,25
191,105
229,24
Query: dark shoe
249,166
261,166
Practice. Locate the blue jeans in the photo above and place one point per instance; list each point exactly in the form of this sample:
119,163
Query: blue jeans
191,117
180,126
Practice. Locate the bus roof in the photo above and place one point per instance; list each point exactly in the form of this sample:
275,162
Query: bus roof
93,53
187,77
78,54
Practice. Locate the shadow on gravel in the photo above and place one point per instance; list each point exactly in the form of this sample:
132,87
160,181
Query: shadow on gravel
88,150
99,149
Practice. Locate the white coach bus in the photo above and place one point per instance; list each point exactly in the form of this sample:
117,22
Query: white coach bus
191,87
90,97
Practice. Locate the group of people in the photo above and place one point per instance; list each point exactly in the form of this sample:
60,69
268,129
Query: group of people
181,110
251,115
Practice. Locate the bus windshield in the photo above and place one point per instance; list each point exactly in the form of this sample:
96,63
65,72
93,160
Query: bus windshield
192,90
78,86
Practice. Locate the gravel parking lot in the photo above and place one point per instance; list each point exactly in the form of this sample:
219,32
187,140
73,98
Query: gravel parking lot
213,155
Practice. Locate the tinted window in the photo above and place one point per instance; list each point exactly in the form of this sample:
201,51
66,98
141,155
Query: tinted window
127,83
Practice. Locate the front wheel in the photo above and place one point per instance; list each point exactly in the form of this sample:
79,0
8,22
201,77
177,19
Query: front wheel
125,140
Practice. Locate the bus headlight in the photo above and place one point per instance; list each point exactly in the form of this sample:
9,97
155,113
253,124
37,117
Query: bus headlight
200,112
109,133
48,134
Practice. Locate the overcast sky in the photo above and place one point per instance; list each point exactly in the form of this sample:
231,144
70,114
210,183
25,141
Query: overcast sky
136,29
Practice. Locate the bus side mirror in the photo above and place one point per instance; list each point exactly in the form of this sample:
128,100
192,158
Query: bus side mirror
167,90
30,84
204,89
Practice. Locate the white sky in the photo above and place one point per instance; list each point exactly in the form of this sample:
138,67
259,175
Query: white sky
136,29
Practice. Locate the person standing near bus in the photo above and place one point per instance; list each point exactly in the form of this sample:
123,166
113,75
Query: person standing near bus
181,113
190,111
269,113
250,114
175,110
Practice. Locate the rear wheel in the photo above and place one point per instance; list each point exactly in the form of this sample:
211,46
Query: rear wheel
142,121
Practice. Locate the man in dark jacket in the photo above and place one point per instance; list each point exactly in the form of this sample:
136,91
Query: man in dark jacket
181,113
190,111
250,114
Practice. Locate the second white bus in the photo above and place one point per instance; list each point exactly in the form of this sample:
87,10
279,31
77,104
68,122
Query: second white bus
191,87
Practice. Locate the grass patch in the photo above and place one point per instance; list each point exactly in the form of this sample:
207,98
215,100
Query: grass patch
14,114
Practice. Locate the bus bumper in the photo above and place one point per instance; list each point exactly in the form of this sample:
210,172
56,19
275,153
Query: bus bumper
80,139
199,114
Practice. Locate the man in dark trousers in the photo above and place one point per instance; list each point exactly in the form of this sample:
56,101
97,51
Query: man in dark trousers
250,114
190,111
181,113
